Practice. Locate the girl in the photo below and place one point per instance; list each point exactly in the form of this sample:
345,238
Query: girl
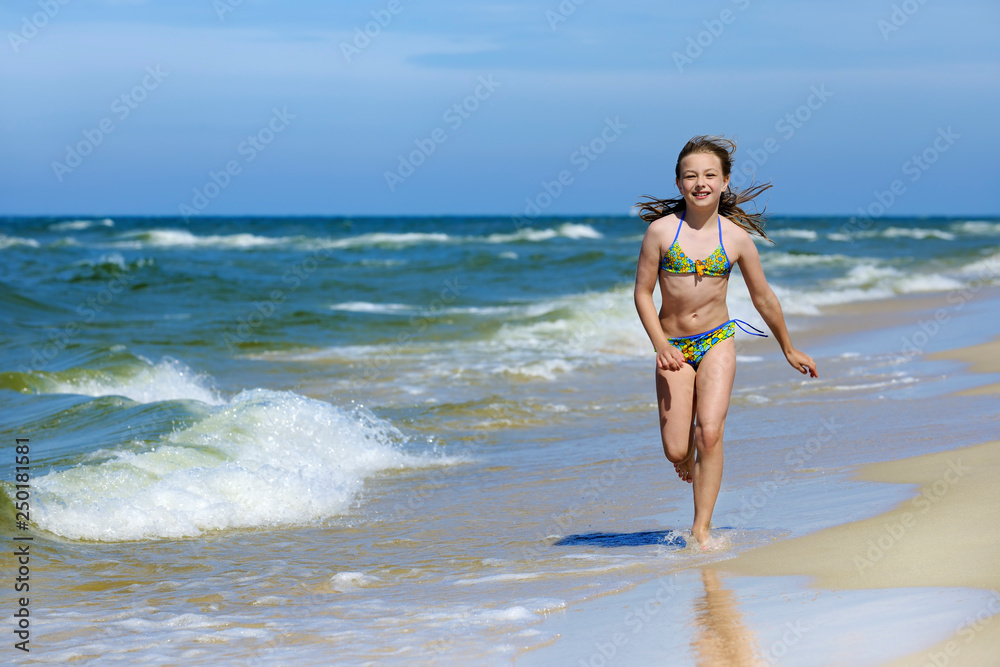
692,334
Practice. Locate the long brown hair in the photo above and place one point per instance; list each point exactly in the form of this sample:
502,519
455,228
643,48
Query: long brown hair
730,203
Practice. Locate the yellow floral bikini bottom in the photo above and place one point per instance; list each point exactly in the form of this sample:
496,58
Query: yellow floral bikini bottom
694,347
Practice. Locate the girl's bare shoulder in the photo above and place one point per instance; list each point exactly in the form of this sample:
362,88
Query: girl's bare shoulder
662,226
734,233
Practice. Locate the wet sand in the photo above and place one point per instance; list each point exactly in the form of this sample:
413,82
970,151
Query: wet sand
983,358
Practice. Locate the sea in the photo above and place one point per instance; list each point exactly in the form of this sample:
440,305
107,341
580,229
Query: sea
415,440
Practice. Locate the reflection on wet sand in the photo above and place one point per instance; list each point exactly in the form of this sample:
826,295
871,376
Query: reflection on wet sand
722,638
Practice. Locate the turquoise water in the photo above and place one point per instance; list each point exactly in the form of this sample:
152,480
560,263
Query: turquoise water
273,437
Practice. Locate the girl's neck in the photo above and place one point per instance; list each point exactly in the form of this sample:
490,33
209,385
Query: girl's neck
698,219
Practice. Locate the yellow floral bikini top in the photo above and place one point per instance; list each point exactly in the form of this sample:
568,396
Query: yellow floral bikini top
716,264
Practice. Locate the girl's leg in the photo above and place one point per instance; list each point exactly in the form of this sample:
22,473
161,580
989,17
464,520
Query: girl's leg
675,398
714,386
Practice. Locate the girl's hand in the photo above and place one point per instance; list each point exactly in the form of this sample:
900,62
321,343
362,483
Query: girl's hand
670,359
801,362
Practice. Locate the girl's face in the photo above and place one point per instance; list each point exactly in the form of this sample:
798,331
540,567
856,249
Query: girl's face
701,182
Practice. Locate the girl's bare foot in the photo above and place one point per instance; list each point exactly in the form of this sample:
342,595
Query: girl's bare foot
684,468
708,542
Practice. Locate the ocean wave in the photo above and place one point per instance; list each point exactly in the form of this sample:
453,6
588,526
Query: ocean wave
865,282
552,338
976,228
806,234
12,241
181,238
367,307
986,269
917,233
786,259
79,225
512,310
837,236
382,239
140,381
109,265
266,458
567,230
851,233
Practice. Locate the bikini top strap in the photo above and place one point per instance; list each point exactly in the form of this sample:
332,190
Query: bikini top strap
678,232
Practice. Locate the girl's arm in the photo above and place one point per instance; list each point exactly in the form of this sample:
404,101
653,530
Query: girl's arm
768,306
668,357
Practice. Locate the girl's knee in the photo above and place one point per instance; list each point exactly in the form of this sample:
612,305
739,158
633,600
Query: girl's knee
709,436
676,453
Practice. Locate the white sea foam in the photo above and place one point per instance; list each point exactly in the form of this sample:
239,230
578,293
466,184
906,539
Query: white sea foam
787,259
266,458
577,231
917,233
836,236
545,369
567,230
11,241
874,385
385,239
500,578
181,238
366,307
986,269
807,234
864,282
977,228
351,581
79,225
168,380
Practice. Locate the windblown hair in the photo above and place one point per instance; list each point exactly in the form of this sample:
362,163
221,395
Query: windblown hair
731,201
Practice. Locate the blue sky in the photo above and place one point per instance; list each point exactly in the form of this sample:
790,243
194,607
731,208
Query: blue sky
831,101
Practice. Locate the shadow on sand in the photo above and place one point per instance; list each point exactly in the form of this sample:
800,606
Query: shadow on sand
669,538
